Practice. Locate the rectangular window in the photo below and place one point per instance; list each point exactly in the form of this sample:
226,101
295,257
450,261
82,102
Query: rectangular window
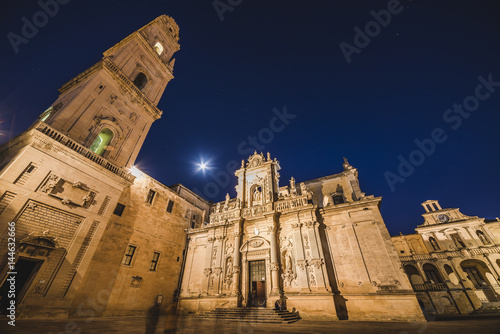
129,255
170,206
154,261
193,221
26,174
119,209
151,196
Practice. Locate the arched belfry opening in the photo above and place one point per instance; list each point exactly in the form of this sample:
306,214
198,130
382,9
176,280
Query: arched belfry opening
140,80
102,141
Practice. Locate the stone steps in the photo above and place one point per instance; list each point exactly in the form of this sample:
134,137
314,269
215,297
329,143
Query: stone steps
250,314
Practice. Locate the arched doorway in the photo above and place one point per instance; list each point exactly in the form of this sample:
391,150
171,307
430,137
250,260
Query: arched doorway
102,141
478,273
256,274
32,253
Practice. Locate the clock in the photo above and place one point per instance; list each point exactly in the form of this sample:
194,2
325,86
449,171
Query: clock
443,218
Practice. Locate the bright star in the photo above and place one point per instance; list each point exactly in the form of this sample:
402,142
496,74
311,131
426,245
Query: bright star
203,166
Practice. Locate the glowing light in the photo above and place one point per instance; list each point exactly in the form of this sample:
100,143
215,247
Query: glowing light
203,166
135,171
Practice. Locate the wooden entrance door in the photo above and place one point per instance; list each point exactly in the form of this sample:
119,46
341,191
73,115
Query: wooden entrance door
258,294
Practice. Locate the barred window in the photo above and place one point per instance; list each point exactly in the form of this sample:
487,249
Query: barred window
170,206
129,255
154,261
151,196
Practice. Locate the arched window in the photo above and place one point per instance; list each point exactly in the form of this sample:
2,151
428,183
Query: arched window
451,274
457,240
158,48
434,244
482,237
338,199
140,81
102,141
46,114
413,275
432,274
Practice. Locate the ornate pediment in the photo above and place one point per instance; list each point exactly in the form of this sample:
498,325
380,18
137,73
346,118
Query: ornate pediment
75,193
256,160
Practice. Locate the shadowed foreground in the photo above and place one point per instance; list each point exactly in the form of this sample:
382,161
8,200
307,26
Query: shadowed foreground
173,324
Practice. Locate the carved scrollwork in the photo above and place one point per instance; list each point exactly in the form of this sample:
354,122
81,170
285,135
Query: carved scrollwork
301,264
296,225
317,263
207,271
274,266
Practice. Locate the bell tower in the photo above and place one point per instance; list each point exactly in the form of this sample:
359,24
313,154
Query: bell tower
109,108
258,180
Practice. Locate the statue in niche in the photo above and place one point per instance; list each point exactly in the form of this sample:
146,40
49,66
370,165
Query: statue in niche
326,200
288,262
257,195
268,196
229,267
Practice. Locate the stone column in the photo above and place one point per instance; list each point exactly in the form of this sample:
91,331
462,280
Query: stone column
217,264
274,260
300,259
205,283
236,263
317,262
492,265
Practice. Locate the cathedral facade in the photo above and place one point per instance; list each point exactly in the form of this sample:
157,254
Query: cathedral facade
94,236
320,246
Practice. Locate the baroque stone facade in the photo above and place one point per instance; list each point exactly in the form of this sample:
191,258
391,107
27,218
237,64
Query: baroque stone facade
453,261
321,246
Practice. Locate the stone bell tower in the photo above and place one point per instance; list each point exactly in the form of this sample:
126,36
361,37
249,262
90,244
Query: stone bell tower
110,107
258,180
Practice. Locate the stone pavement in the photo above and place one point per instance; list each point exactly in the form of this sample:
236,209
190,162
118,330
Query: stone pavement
172,324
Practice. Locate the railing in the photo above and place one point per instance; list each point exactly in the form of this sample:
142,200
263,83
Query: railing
108,64
66,141
429,287
257,210
291,203
446,254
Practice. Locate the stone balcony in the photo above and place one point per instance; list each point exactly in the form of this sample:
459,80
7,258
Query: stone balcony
453,254
82,150
233,212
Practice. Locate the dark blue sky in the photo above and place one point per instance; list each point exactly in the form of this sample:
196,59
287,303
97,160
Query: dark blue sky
230,74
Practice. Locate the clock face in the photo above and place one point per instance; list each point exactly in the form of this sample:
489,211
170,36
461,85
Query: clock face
443,218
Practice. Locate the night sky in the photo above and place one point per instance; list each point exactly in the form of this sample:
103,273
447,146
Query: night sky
265,55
